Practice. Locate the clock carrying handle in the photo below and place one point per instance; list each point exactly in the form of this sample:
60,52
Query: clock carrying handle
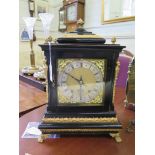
50,66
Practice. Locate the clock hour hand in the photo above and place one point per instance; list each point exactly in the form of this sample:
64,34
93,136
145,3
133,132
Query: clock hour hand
80,92
81,80
73,77
81,84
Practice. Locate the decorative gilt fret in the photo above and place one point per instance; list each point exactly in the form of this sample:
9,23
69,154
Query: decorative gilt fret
80,120
117,68
77,130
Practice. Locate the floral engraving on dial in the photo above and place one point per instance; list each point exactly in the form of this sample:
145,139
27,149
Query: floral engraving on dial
80,81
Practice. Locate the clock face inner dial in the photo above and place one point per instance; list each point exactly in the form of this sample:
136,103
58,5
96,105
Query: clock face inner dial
71,13
81,81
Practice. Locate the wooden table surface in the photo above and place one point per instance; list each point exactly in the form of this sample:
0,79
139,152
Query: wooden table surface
30,97
80,145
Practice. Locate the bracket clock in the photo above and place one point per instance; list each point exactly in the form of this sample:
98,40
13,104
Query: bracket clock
81,86
74,11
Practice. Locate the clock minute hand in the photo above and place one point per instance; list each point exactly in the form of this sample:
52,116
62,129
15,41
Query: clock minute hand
73,77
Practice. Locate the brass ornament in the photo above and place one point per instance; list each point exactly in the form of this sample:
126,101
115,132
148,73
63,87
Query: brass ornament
113,40
116,136
81,36
48,132
45,71
117,68
99,63
80,23
62,63
50,39
42,137
98,99
77,130
80,120
63,99
30,70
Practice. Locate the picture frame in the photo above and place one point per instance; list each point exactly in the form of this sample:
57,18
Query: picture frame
24,35
41,6
116,12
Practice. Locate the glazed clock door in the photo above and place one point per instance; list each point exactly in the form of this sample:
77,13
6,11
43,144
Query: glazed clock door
80,82
72,12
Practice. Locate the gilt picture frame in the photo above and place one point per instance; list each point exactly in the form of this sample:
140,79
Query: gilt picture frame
128,8
41,6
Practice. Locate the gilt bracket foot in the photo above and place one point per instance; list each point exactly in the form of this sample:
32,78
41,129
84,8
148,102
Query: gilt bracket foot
42,137
116,136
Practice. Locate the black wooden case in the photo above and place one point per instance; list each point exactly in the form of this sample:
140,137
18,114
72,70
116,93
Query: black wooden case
81,119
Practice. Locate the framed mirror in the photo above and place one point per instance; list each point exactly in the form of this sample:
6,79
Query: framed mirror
114,11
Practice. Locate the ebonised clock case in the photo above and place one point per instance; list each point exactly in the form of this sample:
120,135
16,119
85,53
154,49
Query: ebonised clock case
89,51
66,120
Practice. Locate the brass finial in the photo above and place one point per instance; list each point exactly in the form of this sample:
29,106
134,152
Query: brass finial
50,39
113,40
80,23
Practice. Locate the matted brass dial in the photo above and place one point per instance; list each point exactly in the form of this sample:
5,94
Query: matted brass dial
80,81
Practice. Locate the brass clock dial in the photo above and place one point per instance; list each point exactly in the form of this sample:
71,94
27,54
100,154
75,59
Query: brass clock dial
80,81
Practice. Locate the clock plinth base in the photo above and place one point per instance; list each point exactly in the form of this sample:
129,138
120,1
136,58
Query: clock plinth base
80,126
116,136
